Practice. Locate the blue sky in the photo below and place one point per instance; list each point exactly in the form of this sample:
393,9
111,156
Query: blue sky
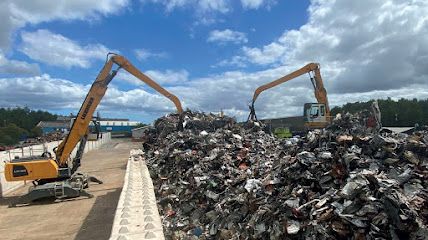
177,34
211,54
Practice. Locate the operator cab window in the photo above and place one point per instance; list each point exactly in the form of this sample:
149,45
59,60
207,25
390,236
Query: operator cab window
322,108
314,111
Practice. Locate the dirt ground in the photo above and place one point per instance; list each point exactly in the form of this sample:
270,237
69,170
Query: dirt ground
79,218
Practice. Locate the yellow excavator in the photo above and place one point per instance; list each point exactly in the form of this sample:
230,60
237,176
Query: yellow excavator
316,115
58,177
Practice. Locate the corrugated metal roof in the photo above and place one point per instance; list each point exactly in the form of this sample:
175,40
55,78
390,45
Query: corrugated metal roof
54,124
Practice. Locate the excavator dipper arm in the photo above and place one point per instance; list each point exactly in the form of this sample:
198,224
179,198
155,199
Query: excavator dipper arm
320,92
93,98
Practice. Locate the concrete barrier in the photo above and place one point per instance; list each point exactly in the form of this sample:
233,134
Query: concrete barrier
137,215
37,150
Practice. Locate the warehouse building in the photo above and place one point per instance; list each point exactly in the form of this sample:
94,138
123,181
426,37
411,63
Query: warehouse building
54,126
117,126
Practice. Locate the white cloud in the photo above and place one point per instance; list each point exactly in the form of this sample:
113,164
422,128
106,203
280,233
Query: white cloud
8,25
268,54
41,92
202,6
255,4
418,91
137,100
209,6
45,92
361,46
167,77
144,54
15,14
251,3
227,35
230,92
369,49
37,11
235,61
214,5
205,11
15,67
57,50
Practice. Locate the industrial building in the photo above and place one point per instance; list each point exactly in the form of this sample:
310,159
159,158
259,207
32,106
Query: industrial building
54,126
117,126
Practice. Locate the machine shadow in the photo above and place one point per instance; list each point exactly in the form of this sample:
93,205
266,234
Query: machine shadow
98,223
8,200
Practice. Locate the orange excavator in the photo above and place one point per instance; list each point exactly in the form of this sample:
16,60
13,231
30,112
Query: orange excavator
57,176
316,115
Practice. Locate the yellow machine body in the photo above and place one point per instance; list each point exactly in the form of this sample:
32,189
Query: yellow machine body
31,170
316,125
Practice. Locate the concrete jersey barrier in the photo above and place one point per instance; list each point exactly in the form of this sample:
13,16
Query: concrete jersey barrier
137,215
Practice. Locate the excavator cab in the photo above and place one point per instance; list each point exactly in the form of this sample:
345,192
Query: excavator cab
315,115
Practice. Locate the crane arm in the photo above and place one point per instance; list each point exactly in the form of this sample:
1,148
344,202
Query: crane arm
93,98
125,64
320,92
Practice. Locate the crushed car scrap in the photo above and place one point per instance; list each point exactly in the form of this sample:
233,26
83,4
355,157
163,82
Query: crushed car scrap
217,179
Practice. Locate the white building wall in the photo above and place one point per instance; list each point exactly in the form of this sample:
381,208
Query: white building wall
37,150
118,123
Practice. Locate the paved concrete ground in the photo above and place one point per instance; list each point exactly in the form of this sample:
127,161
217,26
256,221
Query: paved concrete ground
80,218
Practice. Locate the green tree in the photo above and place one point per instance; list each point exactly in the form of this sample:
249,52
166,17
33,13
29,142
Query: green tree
36,132
400,113
18,123
11,134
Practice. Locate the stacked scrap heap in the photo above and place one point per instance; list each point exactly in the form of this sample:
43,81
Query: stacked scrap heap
216,179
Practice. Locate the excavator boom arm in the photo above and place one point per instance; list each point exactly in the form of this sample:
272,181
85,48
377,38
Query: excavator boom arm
320,92
93,98
125,64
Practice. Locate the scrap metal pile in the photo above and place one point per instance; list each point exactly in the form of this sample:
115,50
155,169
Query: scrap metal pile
216,179
49,137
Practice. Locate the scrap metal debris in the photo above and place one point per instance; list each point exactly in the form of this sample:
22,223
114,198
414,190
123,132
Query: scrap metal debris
217,179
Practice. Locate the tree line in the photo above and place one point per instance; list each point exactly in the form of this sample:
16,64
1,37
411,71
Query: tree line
19,123
401,113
